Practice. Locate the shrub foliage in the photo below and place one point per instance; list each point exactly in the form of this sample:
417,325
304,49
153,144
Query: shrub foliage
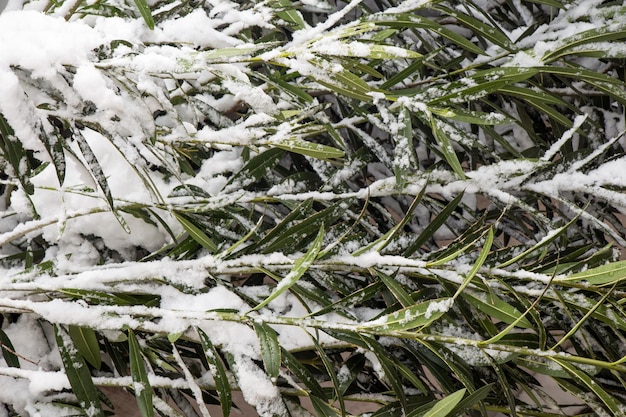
411,205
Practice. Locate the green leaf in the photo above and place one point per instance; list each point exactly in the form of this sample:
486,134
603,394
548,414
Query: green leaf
417,315
434,225
145,12
299,268
609,274
255,169
86,341
141,384
479,262
78,373
594,36
395,288
8,352
445,406
98,175
196,233
218,370
470,116
489,32
498,309
446,147
416,21
303,374
477,85
612,403
290,14
303,147
270,348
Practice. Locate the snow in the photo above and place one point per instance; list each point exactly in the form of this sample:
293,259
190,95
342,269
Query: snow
75,219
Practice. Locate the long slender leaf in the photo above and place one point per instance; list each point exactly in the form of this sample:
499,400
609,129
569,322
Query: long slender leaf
141,384
78,374
299,268
218,370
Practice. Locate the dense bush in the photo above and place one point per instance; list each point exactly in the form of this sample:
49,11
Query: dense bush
413,205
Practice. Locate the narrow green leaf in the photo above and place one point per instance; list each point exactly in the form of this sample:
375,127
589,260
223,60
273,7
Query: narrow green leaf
609,274
417,315
498,309
303,147
477,85
489,32
146,13
330,369
218,370
290,14
612,403
303,374
415,21
389,368
479,262
323,409
141,384
595,36
196,233
446,147
395,288
469,116
531,94
543,242
299,268
434,225
444,406
8,351
255,169
380,243
270,348
86,342
78,373
98,175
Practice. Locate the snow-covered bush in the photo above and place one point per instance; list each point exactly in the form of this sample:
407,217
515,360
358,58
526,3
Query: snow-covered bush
384,207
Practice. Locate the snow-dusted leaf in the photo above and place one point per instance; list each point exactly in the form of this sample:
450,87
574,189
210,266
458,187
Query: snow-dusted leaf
592,36
417,315
314,150
477,85
270,348
78,373
141,384
86,342
218,370
445,146
470,116
299,268
445,406
13,151
416,21
404,159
